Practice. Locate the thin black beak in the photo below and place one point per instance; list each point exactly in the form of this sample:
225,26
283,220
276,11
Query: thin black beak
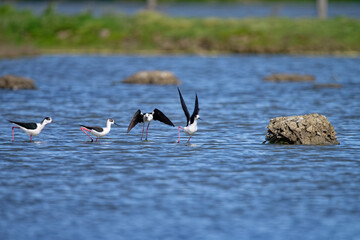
116,124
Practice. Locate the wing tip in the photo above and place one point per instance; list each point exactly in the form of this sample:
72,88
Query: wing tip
129,128
179,91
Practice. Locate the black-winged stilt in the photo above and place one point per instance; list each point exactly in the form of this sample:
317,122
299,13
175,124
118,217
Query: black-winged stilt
31,129
191,122
140,117
98,131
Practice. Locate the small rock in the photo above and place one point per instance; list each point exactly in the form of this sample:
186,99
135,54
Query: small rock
153,77
16,82
284,77
309,129
290,130
293,125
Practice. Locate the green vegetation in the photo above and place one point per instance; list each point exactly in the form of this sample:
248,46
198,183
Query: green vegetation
156,33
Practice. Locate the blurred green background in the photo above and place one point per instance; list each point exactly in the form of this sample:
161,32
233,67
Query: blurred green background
24,32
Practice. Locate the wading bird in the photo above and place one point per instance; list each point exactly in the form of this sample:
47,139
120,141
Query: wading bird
140,117
98,131
31,129
191,122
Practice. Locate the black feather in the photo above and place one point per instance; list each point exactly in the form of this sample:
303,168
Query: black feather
159,116
25,125
98,129
137,118
196,110
183,105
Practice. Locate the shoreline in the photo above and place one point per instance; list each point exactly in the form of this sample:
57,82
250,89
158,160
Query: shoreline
31,52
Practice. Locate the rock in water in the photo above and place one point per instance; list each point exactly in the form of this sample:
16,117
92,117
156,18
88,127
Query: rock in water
153,77
16,82
310,129
285,77
327,85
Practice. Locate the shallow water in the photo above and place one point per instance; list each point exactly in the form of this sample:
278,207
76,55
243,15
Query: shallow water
226,184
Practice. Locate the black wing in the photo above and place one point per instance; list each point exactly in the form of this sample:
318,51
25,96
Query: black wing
196,110
137,118
159,116
25,125
184,108
98,129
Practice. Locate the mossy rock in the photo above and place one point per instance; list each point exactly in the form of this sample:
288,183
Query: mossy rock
310,129
153,77
16,82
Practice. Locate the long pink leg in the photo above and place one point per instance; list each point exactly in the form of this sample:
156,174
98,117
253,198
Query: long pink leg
189,139
147,131
179,133
12,129
84,129
142,133
96,139
30,138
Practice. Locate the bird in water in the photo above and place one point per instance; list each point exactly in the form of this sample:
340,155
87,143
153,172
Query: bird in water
140,117
191,121
31,129
98,131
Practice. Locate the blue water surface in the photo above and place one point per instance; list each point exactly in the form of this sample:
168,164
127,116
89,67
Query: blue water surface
226,184
294,9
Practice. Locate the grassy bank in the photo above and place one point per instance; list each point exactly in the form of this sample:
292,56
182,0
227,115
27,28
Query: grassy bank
156,33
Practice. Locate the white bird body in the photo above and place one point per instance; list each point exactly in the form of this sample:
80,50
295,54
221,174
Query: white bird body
31,129
191,126
148,117
140,117
33,132
104,132
98,131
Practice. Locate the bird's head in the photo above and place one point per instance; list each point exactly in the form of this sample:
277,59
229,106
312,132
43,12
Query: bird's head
46,120
111,121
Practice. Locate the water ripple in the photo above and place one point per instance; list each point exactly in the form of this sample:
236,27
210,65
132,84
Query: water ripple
223,185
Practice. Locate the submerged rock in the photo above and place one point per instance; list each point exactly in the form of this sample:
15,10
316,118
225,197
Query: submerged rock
16,82
327,85
153,77
310,129
284,77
